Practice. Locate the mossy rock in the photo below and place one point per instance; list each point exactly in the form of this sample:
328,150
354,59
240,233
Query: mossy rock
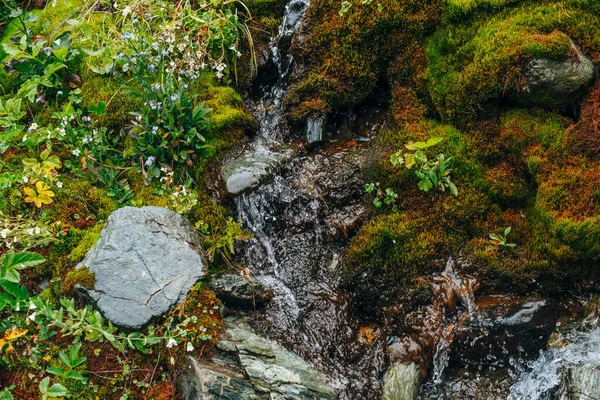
78,276
476,63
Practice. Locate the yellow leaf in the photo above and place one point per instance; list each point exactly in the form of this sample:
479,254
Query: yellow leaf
14,333
43,196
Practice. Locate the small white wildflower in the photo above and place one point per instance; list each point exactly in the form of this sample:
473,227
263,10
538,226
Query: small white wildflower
59,185
24,138
32,317
25,179
76,152
172,342
126,11
29,231
32,127
189,347
37,229
4,232
32,306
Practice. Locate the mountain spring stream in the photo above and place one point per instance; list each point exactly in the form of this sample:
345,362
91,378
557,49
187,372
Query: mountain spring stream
300,203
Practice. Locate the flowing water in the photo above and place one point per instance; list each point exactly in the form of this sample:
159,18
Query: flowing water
489,348
298,218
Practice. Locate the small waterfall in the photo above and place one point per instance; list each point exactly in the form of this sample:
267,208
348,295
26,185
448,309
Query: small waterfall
269,110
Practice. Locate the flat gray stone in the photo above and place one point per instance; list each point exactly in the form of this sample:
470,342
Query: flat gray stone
144,262
251,169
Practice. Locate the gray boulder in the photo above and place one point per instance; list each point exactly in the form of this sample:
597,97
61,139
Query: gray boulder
249,366
557,83
144,262
237,291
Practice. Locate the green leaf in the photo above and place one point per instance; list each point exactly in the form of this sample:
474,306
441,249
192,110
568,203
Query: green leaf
453,189
52,68
432,141
57,390
14,289
44,384
10,274
21,260
56,371
61,53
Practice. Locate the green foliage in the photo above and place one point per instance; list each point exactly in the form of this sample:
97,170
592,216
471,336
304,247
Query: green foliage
71,361
432,174
221,240
54,391
500,239
388,197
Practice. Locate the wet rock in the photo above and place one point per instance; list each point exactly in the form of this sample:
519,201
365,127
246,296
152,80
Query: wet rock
144,262
249,366
555,83
401,382
238,292
251,169
314,129
580,382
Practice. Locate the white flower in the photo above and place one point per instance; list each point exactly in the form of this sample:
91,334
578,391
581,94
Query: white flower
4,232
25,179
30,231
32,127
126,11
172,342
59,185
32,306
32,317
37,230
189,347
76,152
24,138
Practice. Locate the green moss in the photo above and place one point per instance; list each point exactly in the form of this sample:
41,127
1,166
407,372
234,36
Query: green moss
78,276
87,242
97,88
346,56
479,62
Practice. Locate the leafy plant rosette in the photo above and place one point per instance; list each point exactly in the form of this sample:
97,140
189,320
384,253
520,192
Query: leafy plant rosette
432,174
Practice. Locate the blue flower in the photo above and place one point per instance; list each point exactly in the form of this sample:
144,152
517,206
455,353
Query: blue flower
126,35
154,130
149,161
152,68
175,97
165,52
155,46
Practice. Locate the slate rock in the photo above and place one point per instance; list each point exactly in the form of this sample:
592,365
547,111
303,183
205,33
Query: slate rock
144,262
249,366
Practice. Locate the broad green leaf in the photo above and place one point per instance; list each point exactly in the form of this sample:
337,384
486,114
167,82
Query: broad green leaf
57,390
21,260
14,289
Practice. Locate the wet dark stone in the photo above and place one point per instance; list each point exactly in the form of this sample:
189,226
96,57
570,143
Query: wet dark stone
238,292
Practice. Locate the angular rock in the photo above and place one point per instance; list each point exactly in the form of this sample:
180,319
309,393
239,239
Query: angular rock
144,262
237,291
556,83
249,366
580,382
401,382
251,169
